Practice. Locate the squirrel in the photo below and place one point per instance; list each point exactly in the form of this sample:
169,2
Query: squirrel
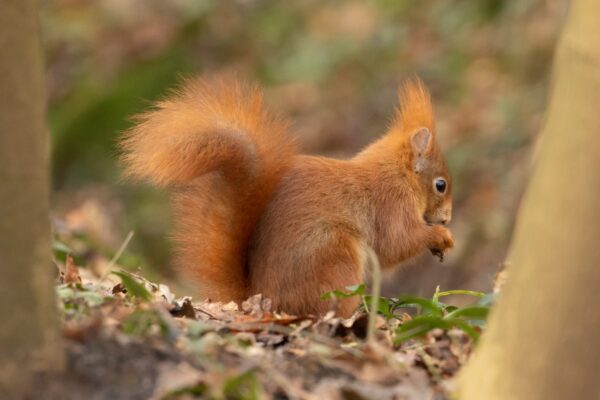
254,216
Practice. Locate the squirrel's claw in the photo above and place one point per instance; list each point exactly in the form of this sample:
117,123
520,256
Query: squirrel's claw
438,253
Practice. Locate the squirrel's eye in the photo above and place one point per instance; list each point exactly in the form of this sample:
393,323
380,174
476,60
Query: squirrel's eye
440,185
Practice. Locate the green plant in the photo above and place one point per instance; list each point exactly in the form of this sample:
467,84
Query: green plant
133,286
77,299
429,313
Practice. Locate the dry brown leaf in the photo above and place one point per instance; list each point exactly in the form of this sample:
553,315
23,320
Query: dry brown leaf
71,272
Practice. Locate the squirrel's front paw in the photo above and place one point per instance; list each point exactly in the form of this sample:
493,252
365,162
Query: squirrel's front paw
441,240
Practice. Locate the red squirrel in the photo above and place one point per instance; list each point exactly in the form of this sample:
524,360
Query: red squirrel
254,216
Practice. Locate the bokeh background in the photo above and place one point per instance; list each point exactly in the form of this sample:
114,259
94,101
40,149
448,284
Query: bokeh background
333,67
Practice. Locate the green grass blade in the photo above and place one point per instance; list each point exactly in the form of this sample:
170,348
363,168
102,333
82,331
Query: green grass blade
463,292
419,326
427,306
436,295
469,312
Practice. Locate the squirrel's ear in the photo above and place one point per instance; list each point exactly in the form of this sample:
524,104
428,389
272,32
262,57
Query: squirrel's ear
421,143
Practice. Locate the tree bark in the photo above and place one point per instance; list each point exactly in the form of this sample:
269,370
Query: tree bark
28,335
541,342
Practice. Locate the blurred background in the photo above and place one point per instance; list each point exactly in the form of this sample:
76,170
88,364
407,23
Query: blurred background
333,67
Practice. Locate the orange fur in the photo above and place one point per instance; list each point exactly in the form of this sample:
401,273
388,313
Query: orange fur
254,217
223,154
415,108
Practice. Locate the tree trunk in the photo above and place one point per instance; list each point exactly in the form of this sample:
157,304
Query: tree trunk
541,342
28,333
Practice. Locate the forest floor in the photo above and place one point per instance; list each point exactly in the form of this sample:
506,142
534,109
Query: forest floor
129,338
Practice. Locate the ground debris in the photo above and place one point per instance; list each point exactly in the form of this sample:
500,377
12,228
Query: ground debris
178,348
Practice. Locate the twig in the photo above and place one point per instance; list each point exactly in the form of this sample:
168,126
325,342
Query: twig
203,311
375,294
117,255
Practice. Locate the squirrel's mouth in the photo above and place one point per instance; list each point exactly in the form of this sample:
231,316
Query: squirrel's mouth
440,221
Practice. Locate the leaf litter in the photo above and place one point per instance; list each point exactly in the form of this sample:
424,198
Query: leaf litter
129,338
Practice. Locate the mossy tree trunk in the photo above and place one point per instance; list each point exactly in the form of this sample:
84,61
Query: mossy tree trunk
542,339
28,324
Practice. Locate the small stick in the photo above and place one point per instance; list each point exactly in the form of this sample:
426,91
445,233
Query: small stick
117,255
375,294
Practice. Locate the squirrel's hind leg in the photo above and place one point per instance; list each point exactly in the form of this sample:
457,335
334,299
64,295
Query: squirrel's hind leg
337,266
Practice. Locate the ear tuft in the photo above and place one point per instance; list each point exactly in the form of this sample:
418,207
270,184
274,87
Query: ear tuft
415,109
421,141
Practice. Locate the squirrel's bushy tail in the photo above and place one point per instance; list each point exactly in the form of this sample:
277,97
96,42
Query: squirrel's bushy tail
223,154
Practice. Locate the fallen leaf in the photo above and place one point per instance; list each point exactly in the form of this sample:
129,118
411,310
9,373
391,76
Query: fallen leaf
71,271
